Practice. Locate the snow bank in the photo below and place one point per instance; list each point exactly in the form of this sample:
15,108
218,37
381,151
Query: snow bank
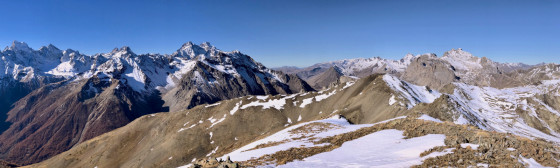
386,148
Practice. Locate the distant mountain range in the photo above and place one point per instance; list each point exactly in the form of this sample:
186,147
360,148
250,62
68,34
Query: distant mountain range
120,109
455,63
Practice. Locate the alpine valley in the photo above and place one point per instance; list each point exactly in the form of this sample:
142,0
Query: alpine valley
203,107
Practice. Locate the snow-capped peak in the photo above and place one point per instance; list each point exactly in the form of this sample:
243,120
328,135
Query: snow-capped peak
458,53
50,47
19,46
461,60
207,46
123,52
190,50
407,58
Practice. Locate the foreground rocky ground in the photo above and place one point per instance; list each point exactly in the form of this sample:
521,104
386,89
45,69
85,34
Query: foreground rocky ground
464,146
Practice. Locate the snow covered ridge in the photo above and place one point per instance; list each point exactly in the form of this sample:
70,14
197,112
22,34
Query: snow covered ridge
410,93
461,59
514,110
143,72
350,67
511,110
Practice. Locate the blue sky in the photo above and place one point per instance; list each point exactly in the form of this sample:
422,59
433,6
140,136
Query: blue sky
294,32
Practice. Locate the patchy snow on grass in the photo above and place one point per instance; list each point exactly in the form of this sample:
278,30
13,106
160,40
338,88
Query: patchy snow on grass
235,108
392,100
305,102
182,129
262,97
285,136
214,122
215,104
531,163
213,151
385,148
324,96
317,98
274,103
429,118
348,84
473,146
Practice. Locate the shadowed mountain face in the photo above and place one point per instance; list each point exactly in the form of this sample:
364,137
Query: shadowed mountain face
54,99
10,94
53,118
326,78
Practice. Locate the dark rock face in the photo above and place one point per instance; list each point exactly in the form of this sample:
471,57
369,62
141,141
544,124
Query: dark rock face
58,116
10,93
205,84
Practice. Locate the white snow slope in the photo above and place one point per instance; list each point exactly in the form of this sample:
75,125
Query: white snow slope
497,109
385,148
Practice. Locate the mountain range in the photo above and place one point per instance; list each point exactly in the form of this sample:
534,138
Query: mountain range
120,109
56,98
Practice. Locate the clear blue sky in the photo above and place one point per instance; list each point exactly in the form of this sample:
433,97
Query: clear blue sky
297,32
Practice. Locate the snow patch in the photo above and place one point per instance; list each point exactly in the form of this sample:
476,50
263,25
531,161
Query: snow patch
429,118
473,146
385,148
211,105
531,163
235,108
275,103
392,100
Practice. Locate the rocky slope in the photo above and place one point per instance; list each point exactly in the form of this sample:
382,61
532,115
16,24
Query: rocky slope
231,128
457,65
57,99
413,141
325,79
175,139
